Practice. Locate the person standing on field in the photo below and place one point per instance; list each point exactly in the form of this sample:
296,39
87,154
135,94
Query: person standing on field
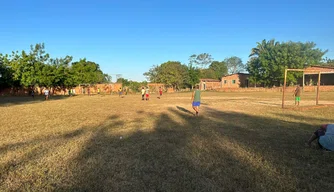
46,93
142,93
196,100
297,95
160,92
33,94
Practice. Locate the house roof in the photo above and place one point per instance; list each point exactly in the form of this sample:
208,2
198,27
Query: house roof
210,80
323,69
236,74
322,66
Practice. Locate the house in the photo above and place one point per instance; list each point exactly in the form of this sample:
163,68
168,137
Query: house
236,80
209,84
311,77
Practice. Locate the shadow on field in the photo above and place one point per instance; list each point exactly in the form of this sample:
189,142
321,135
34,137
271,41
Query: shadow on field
306,118
228,152
184,110
16,100
218,151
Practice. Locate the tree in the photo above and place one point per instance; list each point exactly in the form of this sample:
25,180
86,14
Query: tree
171,73
202,60
219,68
125,82
253,67
234,65
271,58
208,74
62,72
193,76
6,77
152,74
327,62
87,72
27,68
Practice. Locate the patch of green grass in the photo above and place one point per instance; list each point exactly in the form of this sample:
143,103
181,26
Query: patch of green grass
240,142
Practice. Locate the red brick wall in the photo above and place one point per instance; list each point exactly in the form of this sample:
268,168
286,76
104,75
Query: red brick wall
210,85
105,88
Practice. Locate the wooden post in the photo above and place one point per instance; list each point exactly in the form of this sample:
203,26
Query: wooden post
283,97
318,88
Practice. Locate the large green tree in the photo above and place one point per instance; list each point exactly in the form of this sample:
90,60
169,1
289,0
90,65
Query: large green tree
152,74
171,73
87,72
219,69
271,58
193,76
27,67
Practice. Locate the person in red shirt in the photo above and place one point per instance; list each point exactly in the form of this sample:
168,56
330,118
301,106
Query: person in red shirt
160,92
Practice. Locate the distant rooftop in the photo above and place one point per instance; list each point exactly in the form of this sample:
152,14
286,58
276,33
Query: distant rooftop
210,80
236,73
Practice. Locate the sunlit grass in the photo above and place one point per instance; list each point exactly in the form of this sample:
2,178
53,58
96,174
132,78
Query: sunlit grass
240,142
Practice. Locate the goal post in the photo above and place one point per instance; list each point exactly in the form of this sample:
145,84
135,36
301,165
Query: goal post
309,72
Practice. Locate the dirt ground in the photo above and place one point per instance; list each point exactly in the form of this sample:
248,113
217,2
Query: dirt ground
240,142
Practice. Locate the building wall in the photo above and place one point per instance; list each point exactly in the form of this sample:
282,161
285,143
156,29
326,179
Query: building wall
228,81
104,88
210,85
241,80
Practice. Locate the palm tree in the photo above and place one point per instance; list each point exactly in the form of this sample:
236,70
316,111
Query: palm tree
263,46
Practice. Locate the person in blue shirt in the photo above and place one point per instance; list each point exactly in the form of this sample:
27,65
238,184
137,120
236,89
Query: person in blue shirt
325,137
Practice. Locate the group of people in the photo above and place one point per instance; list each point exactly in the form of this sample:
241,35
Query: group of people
46,93
145,93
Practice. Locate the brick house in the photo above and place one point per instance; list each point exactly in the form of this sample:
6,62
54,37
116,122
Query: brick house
236,80
209,84
327,75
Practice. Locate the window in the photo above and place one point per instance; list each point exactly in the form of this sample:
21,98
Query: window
233,81
225,81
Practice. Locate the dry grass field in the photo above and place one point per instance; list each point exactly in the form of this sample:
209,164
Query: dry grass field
240,142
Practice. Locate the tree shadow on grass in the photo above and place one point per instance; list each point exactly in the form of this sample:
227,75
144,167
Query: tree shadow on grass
17,100
219,151
226,152
184,110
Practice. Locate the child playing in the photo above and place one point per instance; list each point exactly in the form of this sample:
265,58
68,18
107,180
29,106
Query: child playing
196,100
142,93
46,93
297,95
160,92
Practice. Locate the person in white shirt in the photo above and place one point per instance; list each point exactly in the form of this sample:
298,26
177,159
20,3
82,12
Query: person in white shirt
46,93
324,136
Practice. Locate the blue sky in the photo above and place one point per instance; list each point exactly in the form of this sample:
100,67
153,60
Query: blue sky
129,36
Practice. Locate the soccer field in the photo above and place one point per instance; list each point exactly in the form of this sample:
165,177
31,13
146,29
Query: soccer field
240,142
